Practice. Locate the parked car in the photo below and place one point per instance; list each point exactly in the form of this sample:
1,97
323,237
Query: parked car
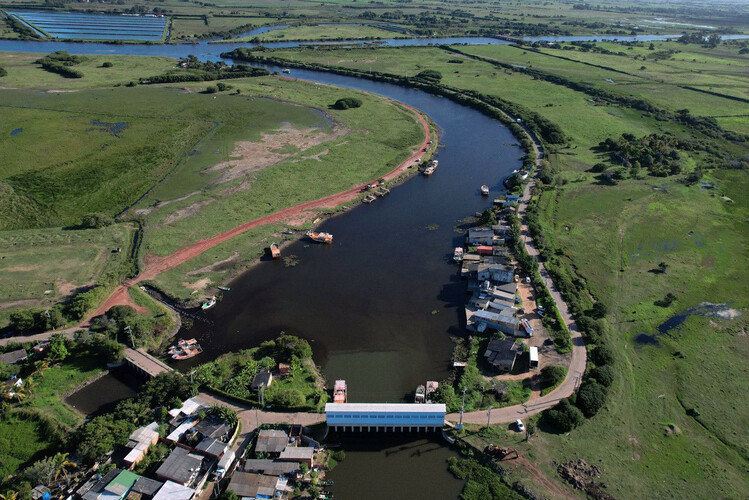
519,425
540,312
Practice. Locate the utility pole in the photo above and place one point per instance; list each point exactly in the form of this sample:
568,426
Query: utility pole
462,408
130,332
488,417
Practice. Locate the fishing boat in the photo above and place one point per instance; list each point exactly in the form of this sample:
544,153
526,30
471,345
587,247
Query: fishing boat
485,190
209,303
420,395
224,288
286,71
182,344
187,352
431,168
320,237
369,199
275,251
339,391
432,387
458,254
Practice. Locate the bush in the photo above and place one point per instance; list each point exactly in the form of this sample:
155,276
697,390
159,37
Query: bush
96,221
552,375
564,416
346,103
602,355
591,397
106,64
429,74
288,398
211,90
604,375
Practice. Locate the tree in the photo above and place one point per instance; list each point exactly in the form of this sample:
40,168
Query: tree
100,435
22,320
106,64
604,375
96,221
227,494
564,416
58,349
591,397
346,103
288,398
430,74
602,355
552,375
599,310
42,471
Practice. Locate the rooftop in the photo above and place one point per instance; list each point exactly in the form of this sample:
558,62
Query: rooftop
247,484
146,486
13,357
211,446
294,453
272,441
270,467
180,466
262,379
174,491
385,407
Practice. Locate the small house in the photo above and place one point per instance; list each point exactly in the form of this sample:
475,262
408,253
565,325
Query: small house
261,380
302,455
181,467
284,370
501,354
255,486
271,441
174,491
271,467
481,235
139,442
13,357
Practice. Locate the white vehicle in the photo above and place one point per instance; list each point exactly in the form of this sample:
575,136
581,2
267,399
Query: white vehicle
519,425
528,280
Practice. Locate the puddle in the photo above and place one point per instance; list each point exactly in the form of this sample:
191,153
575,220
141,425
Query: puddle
645,339
112,128
16,131
706,309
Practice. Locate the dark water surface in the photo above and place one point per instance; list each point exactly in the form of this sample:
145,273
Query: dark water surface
103,394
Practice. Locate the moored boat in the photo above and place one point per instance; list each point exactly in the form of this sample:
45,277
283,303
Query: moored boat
320,237
187,352
485,190
339,392
432,387
182,344
275,251
369,199
458,254
420,394
224,288
209,303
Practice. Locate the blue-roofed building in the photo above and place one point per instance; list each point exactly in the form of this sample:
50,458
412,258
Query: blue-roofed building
385,416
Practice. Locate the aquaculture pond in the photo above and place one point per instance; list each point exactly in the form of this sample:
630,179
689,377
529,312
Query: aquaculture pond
93,26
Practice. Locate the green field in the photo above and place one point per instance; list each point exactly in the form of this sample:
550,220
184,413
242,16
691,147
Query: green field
614,234
327,32
184,28
21,442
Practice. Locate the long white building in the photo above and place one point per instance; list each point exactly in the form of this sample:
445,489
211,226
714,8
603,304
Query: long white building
385,416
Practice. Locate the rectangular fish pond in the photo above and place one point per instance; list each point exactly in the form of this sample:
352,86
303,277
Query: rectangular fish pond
93,26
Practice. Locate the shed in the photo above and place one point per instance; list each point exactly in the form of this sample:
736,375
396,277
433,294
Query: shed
13,357
284,369
263,379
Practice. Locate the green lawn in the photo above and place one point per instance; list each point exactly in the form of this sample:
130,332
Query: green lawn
20,443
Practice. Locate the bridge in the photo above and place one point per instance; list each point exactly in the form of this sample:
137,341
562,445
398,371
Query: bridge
385,416
145,363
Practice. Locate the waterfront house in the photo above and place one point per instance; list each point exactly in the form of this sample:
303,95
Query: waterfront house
181,467
501,354
481,235
139,442
13,357
271,441
501,229
497,273
248,485
263,379
298,454
271,467
487,320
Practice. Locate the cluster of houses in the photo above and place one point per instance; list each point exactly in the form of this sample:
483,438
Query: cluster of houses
201,451
10,388
493,286
281,459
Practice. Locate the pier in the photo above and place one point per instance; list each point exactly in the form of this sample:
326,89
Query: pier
145,363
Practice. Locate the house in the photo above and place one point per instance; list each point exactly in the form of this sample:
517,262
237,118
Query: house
501,354
214,427
495,272
9,388
181,467
256,486
117,488
13,357
145,487
480,235
139,442
284,370
174,491
262,379
97,488
510,287
188,408
271,441
484,320
181,429
211,447
301,455
501,229
271,467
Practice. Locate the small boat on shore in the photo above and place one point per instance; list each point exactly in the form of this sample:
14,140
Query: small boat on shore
320,237
224,288
420,396
369,199
458,254
339,392
275,251
187,352
209,303
182,344
485,190
286,71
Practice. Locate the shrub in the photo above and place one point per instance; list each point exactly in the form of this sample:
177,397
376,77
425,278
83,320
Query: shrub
604,375
346,103
429,74
288,398
602,355
564,416
106,64
211,90
591,397
552,375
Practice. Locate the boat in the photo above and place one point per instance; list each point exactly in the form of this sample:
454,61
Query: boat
224,288
459,364
286,71
485,190
187,352
369,199
420,394
182,344
320,237
275,251
339,391
431,168
209,303
458,254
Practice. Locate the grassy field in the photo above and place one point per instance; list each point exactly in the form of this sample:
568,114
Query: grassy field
615,236
39,267
191,28
20,443
327,32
